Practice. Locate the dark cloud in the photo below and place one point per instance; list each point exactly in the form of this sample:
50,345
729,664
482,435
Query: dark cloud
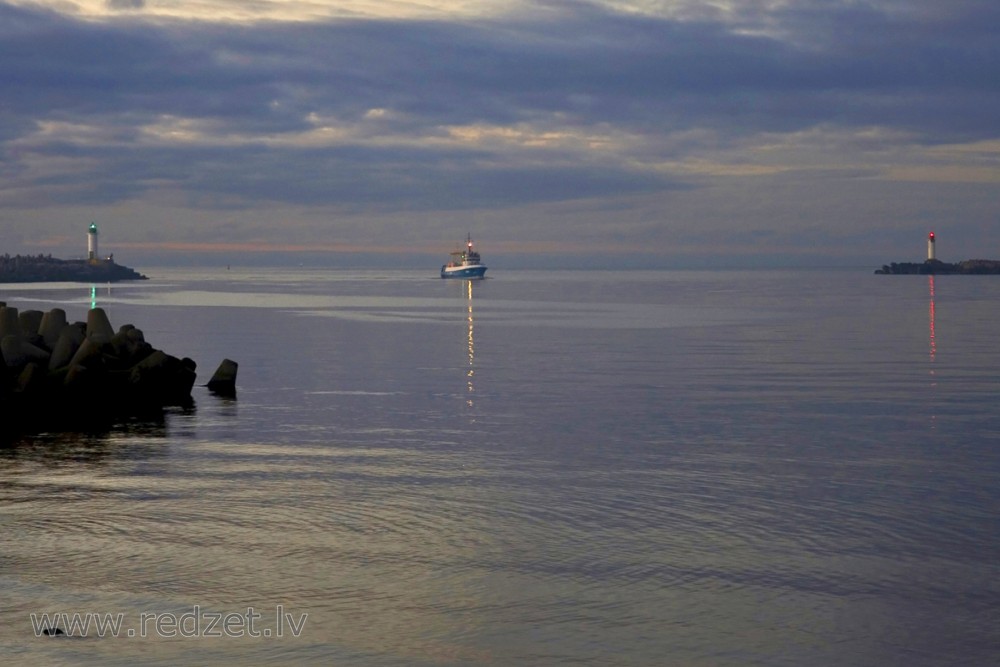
905,66
349,177
631,69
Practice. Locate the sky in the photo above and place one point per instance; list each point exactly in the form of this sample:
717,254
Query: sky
612,133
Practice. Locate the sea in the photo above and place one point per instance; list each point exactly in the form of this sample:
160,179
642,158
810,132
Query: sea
588,468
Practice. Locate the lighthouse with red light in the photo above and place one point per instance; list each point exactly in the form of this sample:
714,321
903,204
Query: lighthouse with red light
930,246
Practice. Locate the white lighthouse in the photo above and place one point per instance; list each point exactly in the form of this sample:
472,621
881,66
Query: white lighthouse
92,242
930,246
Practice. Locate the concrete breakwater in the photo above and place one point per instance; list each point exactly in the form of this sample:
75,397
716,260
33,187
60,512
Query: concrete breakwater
968,267
43,269
54,370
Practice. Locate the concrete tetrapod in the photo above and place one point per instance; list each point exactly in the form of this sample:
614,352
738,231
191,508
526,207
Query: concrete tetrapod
54,373
224,380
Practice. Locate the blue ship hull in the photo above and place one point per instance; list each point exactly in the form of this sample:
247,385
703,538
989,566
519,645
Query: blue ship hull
464,263
463,272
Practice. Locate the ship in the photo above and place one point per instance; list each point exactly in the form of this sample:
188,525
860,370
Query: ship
464,263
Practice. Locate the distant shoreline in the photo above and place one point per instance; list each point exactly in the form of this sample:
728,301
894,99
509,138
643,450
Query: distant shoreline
930,267
48,269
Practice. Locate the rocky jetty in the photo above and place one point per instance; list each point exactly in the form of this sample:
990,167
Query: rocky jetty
937,267
54,372
45,268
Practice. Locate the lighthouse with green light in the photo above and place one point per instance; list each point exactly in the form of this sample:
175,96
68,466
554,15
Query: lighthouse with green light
92,243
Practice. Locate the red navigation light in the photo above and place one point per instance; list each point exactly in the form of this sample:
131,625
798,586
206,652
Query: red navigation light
931,236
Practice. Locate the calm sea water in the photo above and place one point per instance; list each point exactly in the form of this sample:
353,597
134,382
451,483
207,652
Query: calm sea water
542,468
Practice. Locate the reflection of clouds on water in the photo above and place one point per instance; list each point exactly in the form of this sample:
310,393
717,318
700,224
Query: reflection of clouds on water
353,481
533,313
100,443
414,309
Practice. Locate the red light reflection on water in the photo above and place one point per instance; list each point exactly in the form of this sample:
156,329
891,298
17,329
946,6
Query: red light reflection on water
933,345
931,313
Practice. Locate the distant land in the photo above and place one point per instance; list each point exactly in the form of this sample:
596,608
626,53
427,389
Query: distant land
47,269
981,267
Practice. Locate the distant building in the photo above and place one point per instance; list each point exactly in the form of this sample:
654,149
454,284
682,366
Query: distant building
930,246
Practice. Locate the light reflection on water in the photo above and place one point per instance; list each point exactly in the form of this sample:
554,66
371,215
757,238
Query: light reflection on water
650,467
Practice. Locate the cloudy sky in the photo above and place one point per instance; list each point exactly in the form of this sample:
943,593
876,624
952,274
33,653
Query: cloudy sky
642,132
